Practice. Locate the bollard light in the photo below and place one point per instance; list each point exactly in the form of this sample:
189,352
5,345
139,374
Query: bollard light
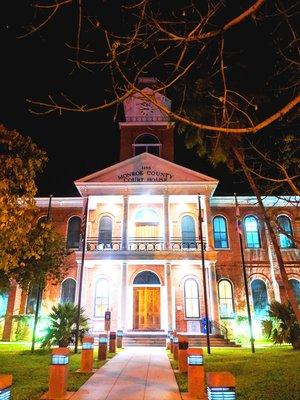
59,359
221,385
103,340
87,346
5,394
175,339
120,333
195,359
221,393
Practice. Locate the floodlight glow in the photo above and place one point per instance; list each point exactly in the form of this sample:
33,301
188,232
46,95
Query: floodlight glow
5,394
221,393
195,360
58,359
87,346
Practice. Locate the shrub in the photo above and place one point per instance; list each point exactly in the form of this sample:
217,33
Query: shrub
62,327
282,327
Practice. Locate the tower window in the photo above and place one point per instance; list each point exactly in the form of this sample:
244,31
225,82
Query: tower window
146,143
252,232
285,232
220,233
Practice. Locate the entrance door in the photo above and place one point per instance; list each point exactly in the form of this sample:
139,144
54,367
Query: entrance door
146,308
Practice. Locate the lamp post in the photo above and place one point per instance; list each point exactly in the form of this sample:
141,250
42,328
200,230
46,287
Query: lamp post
83,238
40,289
204,276
244,274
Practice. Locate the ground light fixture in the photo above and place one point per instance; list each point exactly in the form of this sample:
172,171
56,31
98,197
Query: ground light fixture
88,346
5,387
103,340
221,393
59,359
221,386
195,359
120,333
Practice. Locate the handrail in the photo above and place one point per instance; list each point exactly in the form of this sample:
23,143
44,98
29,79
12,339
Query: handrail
219,329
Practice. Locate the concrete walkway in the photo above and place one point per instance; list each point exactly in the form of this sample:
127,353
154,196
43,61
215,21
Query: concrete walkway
137,373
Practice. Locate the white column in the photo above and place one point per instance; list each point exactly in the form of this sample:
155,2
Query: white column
123,294
125,223
169,295
166,222
213,292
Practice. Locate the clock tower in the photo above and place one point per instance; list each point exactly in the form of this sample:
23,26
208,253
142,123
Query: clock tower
146,127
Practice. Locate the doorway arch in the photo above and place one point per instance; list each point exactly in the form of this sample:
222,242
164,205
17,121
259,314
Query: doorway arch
146,301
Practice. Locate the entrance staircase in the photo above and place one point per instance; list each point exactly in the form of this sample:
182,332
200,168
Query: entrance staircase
159,340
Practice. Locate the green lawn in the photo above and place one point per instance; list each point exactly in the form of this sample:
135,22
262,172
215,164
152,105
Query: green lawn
271,373
31,371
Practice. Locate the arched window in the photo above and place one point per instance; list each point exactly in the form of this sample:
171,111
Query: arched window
73,235
3,303
191,298
296,289
220,233
188,235
146,143
225,299
146,223
284,223
252,232
105,230
259,297
68,289
101,297
146,278
32,300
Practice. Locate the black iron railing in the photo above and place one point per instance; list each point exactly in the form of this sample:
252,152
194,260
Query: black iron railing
218,329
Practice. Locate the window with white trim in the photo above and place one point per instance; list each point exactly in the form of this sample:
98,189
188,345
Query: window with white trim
68,289
191,298
101,297
225,299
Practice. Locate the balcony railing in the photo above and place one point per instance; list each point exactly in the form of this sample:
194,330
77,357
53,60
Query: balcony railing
143,244
177,243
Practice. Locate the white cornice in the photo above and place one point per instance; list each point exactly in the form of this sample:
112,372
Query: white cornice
60,202
268,201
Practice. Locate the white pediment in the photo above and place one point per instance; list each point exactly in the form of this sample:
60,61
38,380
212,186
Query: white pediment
146,169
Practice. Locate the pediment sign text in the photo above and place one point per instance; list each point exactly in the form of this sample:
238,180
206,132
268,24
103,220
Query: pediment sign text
145,173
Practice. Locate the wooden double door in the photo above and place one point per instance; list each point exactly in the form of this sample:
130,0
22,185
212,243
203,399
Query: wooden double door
146,308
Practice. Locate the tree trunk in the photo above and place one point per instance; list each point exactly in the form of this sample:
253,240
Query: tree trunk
288,290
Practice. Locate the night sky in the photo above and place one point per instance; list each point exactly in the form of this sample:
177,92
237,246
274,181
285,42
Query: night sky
77,144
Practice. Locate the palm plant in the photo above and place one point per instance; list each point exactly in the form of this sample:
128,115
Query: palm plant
282,327
62,327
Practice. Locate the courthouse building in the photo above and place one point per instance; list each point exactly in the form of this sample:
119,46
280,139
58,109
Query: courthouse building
143,259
